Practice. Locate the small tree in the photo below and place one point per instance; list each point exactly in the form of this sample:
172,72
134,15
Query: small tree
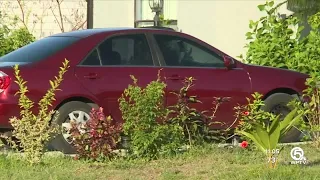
34,131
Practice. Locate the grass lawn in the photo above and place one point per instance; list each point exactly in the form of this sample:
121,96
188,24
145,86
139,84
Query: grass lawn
206,163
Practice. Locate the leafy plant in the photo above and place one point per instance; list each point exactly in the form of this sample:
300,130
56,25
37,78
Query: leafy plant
12,39
16,39
274,41
156,129
144,115
196,124
97,138
307,60
34,131
223,133
266,136
311,55
311,108
190,119
251,113
265,129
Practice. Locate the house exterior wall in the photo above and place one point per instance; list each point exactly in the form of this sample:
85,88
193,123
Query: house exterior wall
220,23
113,13
42,18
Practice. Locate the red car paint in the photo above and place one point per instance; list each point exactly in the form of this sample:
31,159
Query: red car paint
104,85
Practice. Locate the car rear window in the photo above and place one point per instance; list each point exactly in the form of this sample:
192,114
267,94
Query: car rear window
39,50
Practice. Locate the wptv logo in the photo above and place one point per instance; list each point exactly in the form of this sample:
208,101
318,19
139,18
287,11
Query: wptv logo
297,154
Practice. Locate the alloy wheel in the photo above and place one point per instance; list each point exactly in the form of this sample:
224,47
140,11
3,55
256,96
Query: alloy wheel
80,117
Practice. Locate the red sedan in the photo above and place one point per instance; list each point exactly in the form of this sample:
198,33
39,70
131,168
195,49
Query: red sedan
101,61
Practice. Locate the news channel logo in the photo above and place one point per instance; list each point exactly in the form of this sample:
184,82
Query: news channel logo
297,154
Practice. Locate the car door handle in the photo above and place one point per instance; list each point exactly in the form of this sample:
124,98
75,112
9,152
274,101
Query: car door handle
91,76
175,77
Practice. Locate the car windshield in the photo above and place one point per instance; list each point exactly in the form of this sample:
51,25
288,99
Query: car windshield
39,50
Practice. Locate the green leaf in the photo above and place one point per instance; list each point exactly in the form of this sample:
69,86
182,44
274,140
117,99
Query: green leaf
288,119
255,139
300,28
274,137
263,135
261,7
271,3
294,122
251,24
275,123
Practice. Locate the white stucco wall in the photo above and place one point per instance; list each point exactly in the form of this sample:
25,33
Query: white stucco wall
221,23
42,17
113,13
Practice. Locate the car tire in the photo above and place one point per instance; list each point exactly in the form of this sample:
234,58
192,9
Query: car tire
59,143
278,103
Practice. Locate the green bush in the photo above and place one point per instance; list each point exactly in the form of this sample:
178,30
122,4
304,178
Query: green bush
271,41
277,42
12,38
156,129
34,131
308,56
145,115
311,108
251,113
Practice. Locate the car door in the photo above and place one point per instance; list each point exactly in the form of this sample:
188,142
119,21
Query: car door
107,69
185,56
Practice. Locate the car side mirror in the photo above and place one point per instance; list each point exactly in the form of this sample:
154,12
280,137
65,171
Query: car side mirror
229,62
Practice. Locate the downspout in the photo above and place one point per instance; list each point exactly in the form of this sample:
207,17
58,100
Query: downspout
89,14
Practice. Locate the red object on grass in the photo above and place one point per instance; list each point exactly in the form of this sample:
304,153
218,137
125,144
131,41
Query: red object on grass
244,144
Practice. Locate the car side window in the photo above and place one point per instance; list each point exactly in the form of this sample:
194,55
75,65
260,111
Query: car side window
179,51
93,59
131,50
